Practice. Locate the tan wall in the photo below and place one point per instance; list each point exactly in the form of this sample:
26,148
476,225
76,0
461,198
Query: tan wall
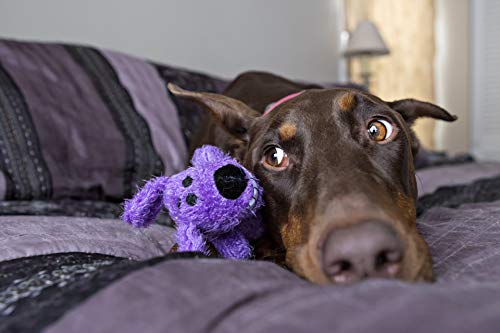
408,30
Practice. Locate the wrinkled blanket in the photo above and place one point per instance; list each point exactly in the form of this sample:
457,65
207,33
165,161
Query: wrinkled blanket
93,274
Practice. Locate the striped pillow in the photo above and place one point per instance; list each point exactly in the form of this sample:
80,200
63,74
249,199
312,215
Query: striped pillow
78,122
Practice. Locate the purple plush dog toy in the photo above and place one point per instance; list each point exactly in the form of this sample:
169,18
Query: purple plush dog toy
216,200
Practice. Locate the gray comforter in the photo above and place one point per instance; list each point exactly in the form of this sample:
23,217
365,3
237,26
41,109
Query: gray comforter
134,287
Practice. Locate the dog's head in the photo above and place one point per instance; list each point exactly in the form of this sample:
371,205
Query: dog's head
336,166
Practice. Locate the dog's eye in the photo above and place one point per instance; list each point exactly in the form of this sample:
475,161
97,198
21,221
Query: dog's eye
380,130
275,158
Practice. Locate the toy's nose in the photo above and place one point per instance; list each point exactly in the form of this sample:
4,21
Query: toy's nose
231,181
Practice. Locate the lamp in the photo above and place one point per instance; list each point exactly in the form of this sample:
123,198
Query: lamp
364,42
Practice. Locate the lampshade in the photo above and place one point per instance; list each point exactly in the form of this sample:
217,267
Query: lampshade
365,40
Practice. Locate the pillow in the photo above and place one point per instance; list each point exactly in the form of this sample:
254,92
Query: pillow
79,122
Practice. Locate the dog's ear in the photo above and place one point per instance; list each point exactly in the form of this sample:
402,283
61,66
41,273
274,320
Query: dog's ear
235,116
411,110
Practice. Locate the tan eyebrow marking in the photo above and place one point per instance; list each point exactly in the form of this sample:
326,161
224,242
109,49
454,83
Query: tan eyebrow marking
287,131
347,102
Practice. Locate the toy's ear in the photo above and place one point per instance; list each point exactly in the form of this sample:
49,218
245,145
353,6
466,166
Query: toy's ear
207,154
412,109
235,116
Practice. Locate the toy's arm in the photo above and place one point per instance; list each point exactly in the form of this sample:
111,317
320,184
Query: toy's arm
232,244
189,238
142,209
251,227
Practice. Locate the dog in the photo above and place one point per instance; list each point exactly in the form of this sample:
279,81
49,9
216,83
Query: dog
337,170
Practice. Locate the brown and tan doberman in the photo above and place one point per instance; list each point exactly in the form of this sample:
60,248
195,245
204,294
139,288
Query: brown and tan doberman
337,170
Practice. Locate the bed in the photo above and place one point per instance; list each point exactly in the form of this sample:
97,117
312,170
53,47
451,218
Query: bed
74,116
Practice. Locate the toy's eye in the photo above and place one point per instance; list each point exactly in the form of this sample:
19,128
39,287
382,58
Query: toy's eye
186,182
276,159
191,199
380,130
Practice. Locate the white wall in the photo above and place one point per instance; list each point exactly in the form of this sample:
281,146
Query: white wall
452,73
297,38
485,78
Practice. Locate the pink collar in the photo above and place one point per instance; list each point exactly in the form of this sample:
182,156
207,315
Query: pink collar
271,106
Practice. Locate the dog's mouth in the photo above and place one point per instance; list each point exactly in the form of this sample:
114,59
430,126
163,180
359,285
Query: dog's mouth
343,245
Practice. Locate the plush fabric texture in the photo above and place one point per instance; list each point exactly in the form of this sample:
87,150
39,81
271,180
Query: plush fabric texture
85,123
215,201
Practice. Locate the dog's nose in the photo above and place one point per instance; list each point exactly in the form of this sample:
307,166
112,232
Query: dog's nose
369,249
231,181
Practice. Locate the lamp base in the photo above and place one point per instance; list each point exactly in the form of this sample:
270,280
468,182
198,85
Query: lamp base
365,71
366,76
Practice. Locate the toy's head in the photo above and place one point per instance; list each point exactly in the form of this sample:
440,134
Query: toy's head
215,194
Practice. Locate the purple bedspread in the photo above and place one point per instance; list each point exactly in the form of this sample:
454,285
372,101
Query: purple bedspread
245,296
230,296
212,295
